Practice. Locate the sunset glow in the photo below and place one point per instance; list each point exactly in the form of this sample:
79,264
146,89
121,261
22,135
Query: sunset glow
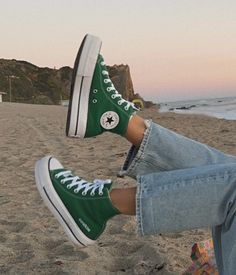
175,49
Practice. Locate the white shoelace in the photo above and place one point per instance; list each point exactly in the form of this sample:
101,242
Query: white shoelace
80,184
115,94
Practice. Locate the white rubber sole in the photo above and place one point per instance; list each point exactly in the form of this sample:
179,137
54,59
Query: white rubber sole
55,205
84,67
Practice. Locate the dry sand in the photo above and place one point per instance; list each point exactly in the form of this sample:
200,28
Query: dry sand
31,240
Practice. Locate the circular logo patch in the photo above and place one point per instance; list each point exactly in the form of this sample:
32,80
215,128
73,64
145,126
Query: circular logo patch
109,120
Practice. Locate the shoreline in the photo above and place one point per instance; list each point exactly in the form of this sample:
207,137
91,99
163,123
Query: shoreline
221,108
217,116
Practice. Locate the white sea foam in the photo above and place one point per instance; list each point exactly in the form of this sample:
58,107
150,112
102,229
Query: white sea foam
222,108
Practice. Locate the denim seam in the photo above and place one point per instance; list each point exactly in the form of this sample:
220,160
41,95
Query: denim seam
188,181
139,207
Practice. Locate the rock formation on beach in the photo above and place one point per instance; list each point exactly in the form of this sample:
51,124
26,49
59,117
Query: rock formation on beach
121,78
27,83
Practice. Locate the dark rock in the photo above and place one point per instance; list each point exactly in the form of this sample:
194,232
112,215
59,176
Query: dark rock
121,78
185,108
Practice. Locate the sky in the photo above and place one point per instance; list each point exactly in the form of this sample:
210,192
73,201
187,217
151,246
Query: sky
176,49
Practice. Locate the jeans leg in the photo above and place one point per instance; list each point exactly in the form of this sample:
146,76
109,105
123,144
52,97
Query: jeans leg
225,246
192,198
165,150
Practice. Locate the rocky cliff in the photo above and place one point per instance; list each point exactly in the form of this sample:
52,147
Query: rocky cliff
121,78
25,82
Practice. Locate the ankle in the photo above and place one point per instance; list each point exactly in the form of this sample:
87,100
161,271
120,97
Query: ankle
124,200
135,131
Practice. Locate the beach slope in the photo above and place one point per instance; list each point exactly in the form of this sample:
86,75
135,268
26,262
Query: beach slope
31,240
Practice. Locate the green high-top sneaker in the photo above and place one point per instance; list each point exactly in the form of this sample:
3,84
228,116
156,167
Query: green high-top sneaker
95,105
82,208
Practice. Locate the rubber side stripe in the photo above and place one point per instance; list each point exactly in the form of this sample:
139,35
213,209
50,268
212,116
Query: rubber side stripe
75,68
77,121
61,216
59,211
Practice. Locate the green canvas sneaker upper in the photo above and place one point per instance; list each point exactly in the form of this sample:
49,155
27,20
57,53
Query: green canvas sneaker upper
89,204
108,111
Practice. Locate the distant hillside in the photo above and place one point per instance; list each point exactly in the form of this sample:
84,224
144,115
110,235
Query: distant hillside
32,84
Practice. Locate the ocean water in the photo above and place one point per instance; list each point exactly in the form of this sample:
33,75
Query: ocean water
222,108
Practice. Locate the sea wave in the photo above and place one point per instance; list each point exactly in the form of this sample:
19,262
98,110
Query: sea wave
222,108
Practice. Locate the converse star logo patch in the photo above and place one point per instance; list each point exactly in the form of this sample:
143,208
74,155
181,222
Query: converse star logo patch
109,120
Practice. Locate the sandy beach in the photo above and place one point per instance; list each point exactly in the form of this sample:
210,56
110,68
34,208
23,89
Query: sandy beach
32,241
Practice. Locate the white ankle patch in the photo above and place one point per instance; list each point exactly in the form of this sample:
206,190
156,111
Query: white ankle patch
109,120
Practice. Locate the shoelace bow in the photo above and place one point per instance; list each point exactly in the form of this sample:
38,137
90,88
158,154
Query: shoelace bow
112,89
81,184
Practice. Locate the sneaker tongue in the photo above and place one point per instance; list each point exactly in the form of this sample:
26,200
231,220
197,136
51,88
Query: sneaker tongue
109,186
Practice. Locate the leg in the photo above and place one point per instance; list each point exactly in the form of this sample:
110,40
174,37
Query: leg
135,130
187,199
207,193
164,150
225,247
163,202
160,150
96,106
124,200
192,198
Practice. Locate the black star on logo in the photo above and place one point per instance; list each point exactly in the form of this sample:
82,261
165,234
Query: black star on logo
110,120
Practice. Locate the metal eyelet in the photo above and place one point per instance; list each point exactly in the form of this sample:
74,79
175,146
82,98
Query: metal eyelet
106,81
100,193
76,191
113,96
119,102
68,186
95,91
95,101
84,193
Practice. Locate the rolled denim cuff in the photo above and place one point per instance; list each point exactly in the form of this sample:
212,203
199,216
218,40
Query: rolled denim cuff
136,154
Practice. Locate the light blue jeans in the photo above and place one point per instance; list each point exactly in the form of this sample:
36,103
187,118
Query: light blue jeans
184,184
